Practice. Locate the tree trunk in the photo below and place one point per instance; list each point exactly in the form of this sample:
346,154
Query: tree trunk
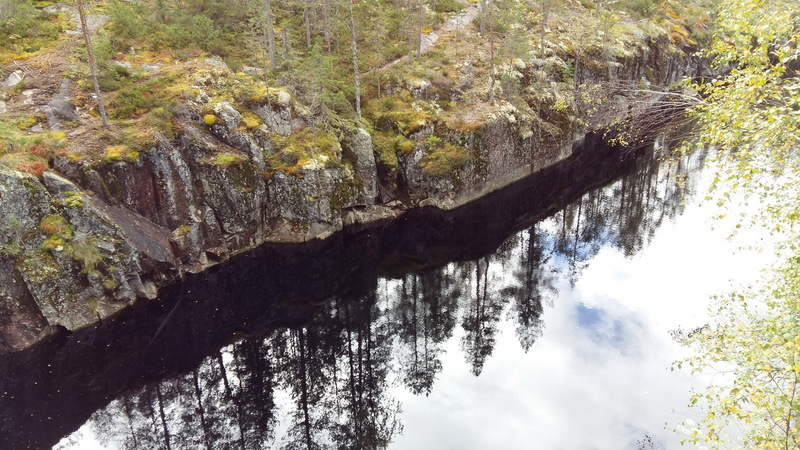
92,64
598,6
326,24
491,55
161,413
307,21
286,47
301,345
410,10
419,29
354,49
458,37
545,17
198,395
270,33
483,18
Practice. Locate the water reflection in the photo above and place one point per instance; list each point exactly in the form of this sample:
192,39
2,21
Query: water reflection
336,381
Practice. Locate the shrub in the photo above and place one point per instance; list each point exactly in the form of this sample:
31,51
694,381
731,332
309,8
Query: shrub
137,99
160,119
385,145
131,20
35,168
113,77
16,19
643,8
447,6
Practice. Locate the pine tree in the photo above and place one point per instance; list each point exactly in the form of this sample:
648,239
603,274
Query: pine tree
354,49
92,63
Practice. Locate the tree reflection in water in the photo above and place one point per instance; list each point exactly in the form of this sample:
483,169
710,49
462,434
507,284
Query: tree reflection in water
324,385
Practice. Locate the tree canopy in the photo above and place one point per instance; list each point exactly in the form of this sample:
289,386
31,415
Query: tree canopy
750,113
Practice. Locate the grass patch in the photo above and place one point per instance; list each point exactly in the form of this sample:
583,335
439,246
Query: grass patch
28,152
446,6
137,99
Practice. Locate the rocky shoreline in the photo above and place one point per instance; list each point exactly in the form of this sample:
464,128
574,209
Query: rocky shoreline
89,239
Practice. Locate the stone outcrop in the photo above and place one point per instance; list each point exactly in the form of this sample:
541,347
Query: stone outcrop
91,238
61,107
69,258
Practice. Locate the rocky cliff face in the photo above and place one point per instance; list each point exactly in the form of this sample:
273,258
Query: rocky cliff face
93,237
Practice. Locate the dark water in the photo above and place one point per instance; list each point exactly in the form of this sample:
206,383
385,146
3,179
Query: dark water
533,318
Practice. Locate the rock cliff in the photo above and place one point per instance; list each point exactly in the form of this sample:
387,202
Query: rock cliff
94,236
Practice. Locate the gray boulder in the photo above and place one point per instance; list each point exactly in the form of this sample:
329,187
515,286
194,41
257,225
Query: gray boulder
14,79
364,164
61,107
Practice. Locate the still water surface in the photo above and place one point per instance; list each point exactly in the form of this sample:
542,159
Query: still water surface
557,339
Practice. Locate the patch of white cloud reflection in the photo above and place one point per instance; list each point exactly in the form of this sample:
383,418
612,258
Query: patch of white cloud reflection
599,377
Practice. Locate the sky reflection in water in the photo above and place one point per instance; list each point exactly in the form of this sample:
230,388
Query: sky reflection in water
599,376
592,292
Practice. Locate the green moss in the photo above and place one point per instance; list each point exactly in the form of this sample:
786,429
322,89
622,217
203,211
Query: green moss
399,113
92,303
109,284
120,153
251,121
405,146
307,147
73,199
182,230
26,122
84,251
55,243
244,177
444,160
138,135
228,160
385,145
56,225
39,267
139,98
160,119
346,192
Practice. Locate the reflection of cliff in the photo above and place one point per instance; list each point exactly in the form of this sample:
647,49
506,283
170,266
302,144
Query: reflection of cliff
334,371
453,273
335,368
